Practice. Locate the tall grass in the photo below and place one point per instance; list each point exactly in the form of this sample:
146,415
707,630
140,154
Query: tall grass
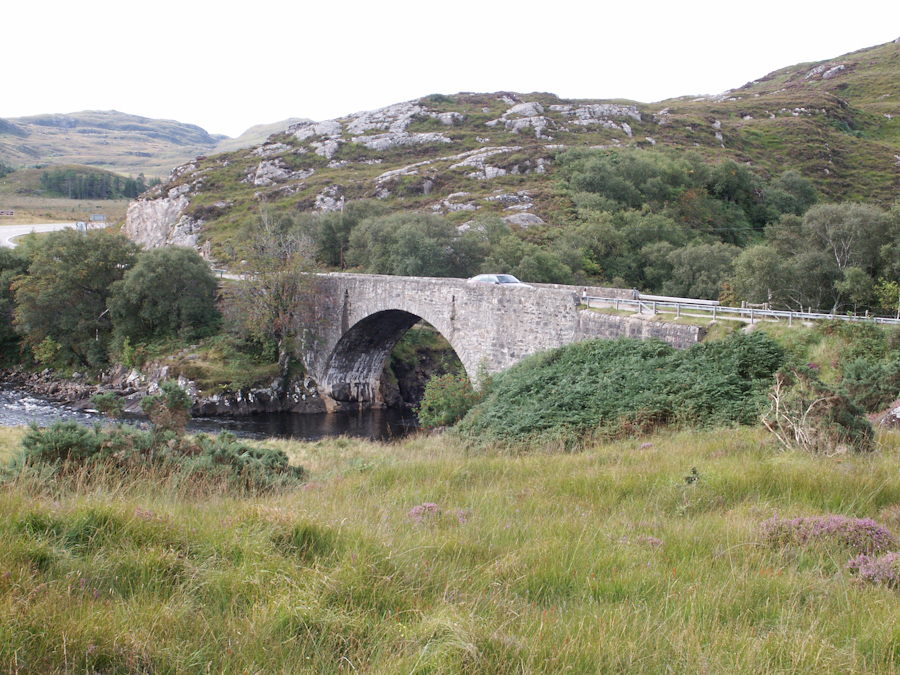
427,557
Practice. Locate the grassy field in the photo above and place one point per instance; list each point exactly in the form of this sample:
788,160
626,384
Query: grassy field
646,555
30,210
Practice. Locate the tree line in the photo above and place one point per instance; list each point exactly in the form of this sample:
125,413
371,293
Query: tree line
76,184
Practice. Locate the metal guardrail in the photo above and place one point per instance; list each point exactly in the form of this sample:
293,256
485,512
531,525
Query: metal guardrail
743,312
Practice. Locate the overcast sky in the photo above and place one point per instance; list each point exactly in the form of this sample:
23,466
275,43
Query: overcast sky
228,67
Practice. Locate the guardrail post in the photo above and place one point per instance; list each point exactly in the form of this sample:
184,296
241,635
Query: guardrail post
678,310
791,319
751,316
714,312
654,308
617,304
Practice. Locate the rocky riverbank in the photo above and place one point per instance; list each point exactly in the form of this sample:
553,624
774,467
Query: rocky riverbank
133,385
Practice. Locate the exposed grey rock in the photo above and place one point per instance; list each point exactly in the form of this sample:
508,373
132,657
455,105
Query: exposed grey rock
328,129
523,220
269,149
327,148
329,200
269,172
395,139
588,114
161,222
448,118
524,116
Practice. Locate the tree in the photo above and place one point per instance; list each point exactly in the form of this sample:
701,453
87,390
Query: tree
169,292
13,262
407,244
64,294
699,270
277,297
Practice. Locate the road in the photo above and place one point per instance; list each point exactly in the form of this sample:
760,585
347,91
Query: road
10,232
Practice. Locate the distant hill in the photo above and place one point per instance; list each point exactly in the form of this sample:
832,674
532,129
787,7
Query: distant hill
837,122
118,142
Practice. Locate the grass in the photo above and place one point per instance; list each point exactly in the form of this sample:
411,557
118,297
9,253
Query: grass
606,560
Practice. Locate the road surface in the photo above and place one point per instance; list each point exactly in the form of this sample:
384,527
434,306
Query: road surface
10,232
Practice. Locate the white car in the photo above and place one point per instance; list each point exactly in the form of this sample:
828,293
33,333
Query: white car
499,279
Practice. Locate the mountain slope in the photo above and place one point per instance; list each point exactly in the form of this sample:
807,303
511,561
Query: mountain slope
837,122
125,144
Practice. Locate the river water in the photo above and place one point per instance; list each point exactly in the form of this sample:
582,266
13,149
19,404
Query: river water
18,408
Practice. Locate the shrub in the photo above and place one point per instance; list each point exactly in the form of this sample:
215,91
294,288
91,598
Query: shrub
61,442
626,386
447,399
882,569
854,535
244,466
170,409
109,404
871,385
67,446
807,414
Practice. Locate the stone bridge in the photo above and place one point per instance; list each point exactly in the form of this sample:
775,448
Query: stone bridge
490,327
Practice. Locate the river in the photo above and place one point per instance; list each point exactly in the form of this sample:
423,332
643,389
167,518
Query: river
18,408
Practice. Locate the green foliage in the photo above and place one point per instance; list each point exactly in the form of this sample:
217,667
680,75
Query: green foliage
244,466
447,399
63,297
169,292
61,442
808,414
81,183
626,386
65,447
109,404
872,385
170,409
406,244
13,262
280,301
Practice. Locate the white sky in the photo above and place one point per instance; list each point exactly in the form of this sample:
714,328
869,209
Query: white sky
229,66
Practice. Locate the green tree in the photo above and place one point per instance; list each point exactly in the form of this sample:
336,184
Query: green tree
408,244
64,294
699,270
168,292
277,298
13,263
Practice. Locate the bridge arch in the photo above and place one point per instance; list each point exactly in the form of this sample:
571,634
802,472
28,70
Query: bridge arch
487,326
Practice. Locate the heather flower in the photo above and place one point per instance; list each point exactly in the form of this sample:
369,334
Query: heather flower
419,513
856,535
883,569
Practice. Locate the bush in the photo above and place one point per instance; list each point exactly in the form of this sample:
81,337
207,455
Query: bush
245,466
871,385
65,447
626,386
807,414
447,399
853,535
170,409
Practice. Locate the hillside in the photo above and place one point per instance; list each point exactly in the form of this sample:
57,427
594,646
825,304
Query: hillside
122,143
836,122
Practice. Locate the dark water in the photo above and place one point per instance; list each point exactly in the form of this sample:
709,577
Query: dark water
18,408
